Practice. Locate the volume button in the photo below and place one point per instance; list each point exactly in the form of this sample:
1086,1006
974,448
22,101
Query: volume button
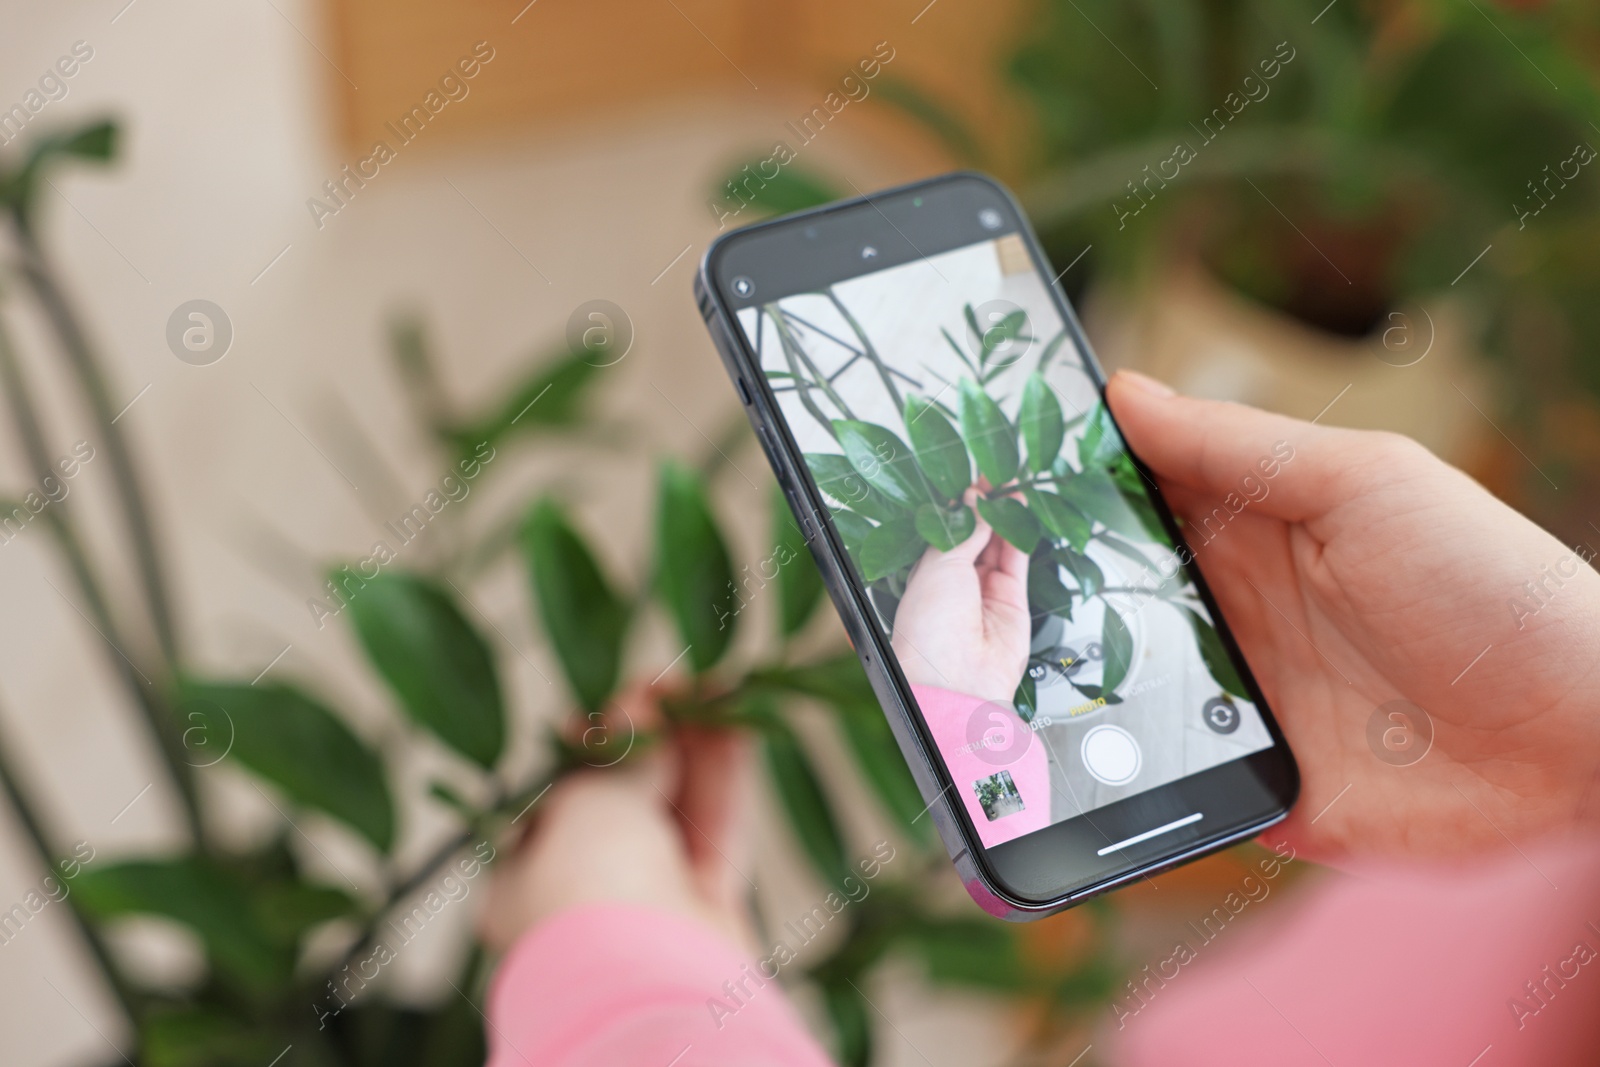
801,514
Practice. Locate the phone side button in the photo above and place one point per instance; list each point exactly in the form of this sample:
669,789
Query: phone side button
744,390
807,529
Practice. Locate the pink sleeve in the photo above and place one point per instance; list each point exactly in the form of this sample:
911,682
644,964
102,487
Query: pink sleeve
987,740
612,984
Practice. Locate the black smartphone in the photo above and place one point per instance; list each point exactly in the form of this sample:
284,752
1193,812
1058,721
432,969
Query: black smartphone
1060,681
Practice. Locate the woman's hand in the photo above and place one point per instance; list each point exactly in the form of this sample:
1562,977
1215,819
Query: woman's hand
1371,572
665,831
963,623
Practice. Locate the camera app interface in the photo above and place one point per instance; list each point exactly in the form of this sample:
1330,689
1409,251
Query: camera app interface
1055,647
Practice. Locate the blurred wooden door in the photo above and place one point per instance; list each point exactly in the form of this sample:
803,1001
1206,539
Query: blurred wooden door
571,60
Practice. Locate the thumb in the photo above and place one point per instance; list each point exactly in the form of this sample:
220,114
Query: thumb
1214,448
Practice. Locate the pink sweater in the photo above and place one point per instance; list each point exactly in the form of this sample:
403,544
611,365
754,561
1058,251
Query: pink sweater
613,985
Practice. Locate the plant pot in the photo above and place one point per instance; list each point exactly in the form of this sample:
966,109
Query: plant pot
1413,375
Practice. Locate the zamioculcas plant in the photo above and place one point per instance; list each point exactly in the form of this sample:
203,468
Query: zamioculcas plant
1049,483
296,953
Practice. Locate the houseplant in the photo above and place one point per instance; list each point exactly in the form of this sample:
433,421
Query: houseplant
294,965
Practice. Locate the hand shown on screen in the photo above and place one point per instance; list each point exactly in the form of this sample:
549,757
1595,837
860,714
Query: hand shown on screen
963,623
1363,571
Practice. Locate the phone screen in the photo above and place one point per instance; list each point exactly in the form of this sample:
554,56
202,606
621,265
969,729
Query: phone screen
1056,648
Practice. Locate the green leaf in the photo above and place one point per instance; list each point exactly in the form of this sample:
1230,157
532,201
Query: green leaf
1085,571
838,479
853,529
204,1037
205,898
960,352
806,805
550,397
971,952
298,745
879,456
583,618
890,547
852,1023
1216,657
1097,496
1122,548
838,680
1039,419
989,435
791,189
945,528
438,666
694,573
1116,645
939,448
96,142
872,742
1046,594
1026,696
1012,521
799,581
1059,517
1100,444
286,910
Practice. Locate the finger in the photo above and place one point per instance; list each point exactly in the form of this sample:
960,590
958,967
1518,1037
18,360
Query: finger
1221,448
1003,577
714,804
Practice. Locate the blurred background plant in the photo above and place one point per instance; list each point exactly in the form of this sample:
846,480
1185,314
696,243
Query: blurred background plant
1342,171
288,953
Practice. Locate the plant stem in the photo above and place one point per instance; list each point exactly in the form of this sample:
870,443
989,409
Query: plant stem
34,828
152,704
868,349
793,351
64,321
502,803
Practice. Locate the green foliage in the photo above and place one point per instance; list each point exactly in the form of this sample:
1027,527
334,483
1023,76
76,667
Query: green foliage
95,143
891,547
1216,657
584,619
841,683
944,527
799,582
1074,491
940,451
989,434
879,456
257,913
804,800
251,930
438,666
969,952
694,573
1043,428
298,745
551,397
790,189
852,1022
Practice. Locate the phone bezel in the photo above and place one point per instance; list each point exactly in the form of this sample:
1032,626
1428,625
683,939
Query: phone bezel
1274,768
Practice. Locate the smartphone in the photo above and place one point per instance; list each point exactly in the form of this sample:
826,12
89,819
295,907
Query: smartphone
1059,679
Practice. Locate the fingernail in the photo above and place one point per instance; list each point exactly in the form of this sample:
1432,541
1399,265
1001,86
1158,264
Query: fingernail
1145,384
